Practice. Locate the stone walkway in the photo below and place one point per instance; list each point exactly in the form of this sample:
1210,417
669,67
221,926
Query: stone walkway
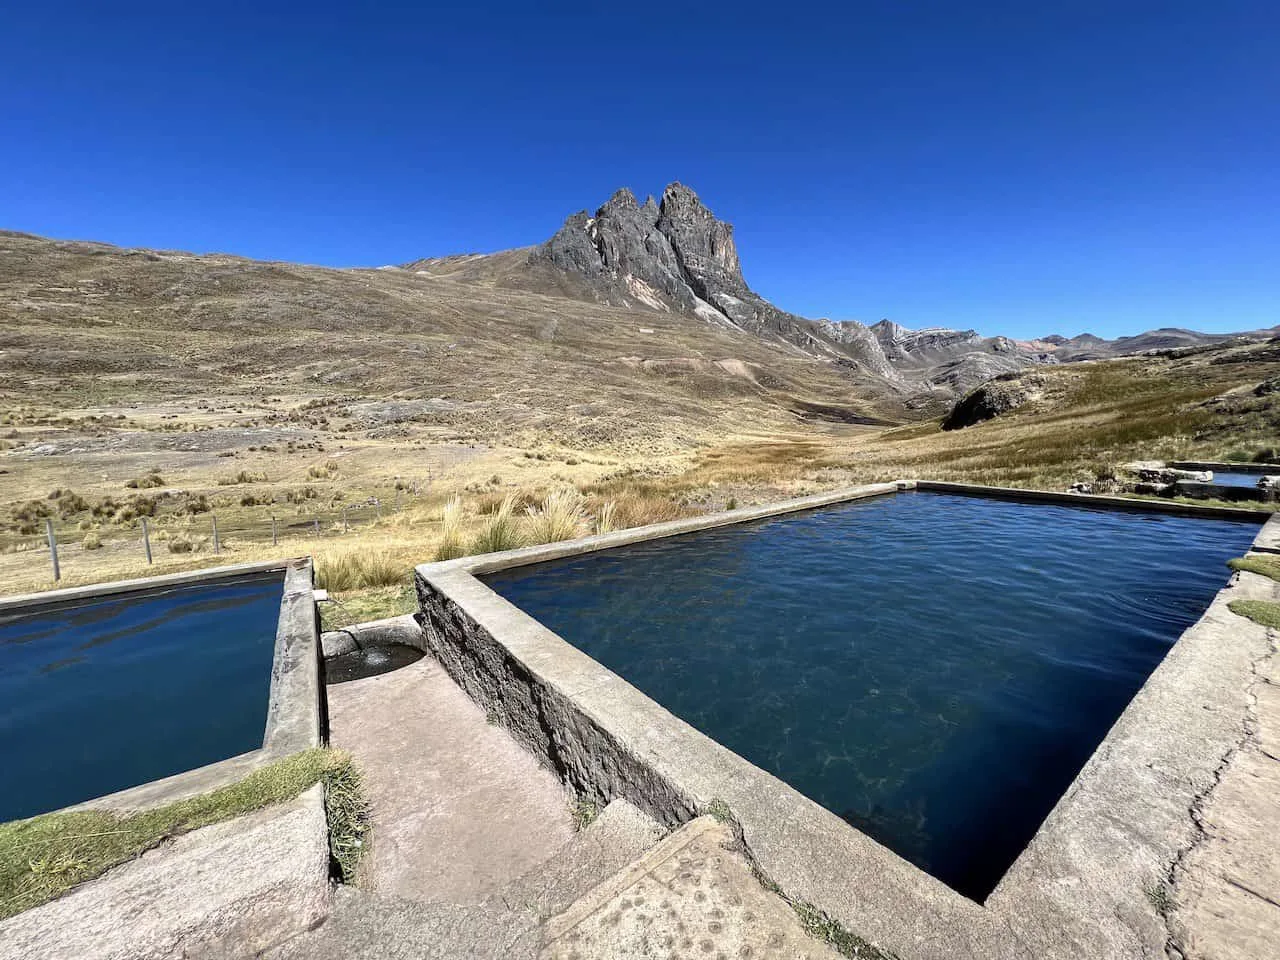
459,808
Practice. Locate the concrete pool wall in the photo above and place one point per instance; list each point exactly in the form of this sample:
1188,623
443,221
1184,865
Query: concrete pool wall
1089,882
294,709
239,887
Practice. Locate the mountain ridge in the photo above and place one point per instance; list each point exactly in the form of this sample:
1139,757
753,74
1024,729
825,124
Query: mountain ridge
675,255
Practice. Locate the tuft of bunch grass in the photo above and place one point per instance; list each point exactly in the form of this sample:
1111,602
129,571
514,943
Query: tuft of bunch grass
501,531
562,516
451,546
605,521
355,569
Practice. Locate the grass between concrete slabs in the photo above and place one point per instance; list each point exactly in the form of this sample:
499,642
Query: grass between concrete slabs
584,813
1266,566
1264,612
43,857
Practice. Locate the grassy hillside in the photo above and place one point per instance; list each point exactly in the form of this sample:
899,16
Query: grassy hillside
178,388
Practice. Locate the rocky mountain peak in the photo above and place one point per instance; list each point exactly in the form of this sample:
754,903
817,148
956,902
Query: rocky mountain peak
674,254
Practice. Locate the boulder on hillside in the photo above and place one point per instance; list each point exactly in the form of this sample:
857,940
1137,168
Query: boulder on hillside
1267,387
993,398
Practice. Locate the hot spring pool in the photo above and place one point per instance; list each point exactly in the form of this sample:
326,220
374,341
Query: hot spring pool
116,691
1230,478
933,668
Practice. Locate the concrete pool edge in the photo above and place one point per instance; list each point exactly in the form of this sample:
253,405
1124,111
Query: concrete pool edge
1081,885
294,719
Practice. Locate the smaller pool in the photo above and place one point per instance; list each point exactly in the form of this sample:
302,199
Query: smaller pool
112,692
1233,479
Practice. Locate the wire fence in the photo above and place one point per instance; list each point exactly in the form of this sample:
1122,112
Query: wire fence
66,544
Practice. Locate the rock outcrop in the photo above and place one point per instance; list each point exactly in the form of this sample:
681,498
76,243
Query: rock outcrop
996,397
673,254
676,255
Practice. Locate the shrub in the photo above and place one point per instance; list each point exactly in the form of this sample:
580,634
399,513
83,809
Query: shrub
244,476
562,516
324,472
501,532
152,479
91,542
196,505
181,543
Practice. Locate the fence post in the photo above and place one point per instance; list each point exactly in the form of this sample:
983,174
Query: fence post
217,545
397,501
146,539
377,502
317,526
53,547
344,520
275,540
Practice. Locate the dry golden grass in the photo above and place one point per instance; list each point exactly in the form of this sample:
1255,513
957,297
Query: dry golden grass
561,516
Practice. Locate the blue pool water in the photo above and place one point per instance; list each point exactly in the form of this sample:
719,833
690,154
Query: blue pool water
115,692
1230,479
935,669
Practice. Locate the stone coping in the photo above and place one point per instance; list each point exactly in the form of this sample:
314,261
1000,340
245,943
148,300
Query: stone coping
162,582
1262,469
294,704
1083,885
1141,505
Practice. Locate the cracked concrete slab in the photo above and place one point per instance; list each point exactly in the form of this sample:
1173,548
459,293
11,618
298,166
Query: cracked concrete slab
1226,896
691,895
229,890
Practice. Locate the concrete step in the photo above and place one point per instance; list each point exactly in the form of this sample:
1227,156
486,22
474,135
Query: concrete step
693,894
506,924
368,926
619,835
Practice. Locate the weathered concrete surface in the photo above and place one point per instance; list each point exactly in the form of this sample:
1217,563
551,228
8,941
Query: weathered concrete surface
374,633
1226,886
504,926
230,890
1084,887
459,809
692,895
293,709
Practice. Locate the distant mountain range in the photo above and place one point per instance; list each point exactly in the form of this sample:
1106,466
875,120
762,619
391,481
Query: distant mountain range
675,256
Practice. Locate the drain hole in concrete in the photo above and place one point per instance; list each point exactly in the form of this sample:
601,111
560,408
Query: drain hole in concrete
369,662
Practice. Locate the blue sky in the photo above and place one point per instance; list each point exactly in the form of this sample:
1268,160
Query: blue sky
1021,168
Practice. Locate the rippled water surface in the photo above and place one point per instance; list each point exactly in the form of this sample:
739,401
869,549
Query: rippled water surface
935,669
109,694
